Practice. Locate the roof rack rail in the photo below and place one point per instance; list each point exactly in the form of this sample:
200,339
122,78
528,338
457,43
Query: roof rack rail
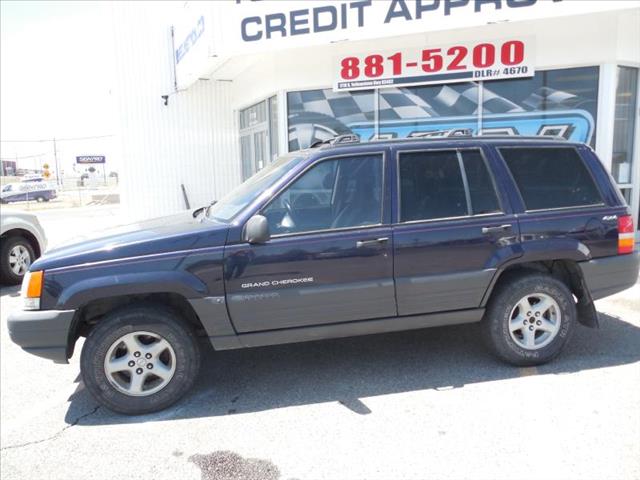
452,132
337,140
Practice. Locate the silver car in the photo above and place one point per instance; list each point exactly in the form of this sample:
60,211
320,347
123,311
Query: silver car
22,240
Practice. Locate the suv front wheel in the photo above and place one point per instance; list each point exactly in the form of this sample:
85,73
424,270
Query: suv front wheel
140,359
529,319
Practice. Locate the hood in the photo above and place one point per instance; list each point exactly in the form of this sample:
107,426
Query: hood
8,212
159,235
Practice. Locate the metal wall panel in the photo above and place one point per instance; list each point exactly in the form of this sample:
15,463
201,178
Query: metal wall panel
192,141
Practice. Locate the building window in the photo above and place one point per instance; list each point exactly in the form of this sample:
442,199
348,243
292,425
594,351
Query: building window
624,124
555,102
410,111
258,136
316,115
561,103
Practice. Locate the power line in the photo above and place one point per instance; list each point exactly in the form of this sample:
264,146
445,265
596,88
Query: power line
57,139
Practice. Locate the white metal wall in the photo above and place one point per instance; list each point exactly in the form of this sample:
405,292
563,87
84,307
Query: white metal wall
191,141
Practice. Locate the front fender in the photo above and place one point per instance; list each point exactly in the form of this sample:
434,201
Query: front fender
80,293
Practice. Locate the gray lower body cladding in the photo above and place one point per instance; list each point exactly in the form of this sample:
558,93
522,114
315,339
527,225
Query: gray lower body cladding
348,329
44,333
609,275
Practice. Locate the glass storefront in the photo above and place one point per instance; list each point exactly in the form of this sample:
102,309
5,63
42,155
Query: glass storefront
316,115
554,102
624,128
624,124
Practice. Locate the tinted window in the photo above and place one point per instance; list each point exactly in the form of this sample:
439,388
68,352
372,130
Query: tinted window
551,177
340,193
431,186
481,189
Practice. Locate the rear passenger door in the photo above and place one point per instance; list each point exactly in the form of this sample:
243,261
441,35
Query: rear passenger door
452,227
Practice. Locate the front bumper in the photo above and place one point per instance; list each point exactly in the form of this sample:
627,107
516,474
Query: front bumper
44,333
609,275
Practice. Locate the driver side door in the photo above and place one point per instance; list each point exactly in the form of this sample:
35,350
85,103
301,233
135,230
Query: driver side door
329,258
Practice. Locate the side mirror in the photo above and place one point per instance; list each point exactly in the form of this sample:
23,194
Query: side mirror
256,230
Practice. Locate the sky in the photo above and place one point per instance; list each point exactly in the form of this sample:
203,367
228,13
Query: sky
56,77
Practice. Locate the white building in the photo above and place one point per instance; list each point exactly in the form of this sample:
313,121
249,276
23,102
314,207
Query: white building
245,81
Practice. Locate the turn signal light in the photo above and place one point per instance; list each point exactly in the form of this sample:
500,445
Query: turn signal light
626,234
32,289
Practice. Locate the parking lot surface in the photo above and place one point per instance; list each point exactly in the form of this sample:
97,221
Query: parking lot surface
423,404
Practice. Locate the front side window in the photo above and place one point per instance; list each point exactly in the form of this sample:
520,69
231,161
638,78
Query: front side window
551,177
340,193
237,199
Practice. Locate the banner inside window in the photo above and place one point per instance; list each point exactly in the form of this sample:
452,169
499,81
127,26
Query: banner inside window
559,103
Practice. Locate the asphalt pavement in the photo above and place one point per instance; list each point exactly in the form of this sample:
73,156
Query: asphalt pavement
426,404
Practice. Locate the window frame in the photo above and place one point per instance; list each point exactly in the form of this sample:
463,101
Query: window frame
274,197
498,150
463,174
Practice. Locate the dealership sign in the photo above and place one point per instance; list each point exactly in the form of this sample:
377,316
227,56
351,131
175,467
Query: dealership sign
206,34
91,159
456,62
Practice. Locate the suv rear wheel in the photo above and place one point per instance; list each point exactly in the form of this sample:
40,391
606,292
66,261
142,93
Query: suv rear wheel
140,359
529,319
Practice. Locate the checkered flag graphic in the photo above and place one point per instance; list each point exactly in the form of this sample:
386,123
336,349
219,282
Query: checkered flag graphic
322,114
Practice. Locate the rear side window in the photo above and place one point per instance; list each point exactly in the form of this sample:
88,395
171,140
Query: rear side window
444,184
481,190
431,186
551,177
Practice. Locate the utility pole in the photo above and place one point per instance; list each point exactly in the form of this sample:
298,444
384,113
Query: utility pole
55,158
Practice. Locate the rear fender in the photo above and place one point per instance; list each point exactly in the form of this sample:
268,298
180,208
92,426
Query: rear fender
558,256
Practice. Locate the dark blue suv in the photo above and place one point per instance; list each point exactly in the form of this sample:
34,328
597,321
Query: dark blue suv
347,238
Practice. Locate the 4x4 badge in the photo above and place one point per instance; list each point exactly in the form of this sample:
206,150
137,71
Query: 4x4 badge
609,218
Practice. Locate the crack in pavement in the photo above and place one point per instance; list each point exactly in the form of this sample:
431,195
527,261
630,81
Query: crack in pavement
55,435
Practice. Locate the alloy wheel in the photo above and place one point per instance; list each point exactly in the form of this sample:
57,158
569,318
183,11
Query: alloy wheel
535,321
140,363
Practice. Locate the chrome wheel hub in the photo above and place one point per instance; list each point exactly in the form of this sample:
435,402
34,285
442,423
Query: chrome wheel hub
535,321
140,363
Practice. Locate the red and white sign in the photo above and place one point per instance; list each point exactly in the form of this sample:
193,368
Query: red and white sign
456,62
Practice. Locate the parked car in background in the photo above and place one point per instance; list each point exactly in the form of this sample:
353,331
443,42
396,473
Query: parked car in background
347,238
28,190
22,241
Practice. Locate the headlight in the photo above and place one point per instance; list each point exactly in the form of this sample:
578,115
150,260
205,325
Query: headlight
31,290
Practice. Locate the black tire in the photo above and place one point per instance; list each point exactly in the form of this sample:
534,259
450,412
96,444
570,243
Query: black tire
161,321
496,322
40,199
6,245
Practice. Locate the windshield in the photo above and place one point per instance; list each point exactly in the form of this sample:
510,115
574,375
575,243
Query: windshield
241,196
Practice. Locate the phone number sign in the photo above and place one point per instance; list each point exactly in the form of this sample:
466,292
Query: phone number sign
457,62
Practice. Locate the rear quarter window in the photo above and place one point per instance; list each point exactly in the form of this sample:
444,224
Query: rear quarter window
551,177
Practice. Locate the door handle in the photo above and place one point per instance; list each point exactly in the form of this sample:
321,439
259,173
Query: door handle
499,229
368,243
